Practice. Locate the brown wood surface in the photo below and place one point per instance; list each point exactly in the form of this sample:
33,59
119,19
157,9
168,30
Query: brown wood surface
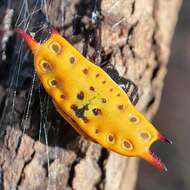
135,37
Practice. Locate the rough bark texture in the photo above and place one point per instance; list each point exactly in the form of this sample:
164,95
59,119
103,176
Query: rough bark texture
135,37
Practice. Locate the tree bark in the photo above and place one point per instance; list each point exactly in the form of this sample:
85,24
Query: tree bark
135,37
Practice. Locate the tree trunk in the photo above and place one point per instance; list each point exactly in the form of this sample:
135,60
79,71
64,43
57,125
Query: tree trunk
134,35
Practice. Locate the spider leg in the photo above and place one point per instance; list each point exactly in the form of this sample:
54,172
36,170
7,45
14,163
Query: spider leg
79,28
76,23
103,64
95,17
132,90
96,34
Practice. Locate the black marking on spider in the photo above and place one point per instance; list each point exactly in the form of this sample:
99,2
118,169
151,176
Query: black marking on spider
79,112
126,84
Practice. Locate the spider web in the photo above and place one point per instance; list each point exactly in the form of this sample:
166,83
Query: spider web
31,16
